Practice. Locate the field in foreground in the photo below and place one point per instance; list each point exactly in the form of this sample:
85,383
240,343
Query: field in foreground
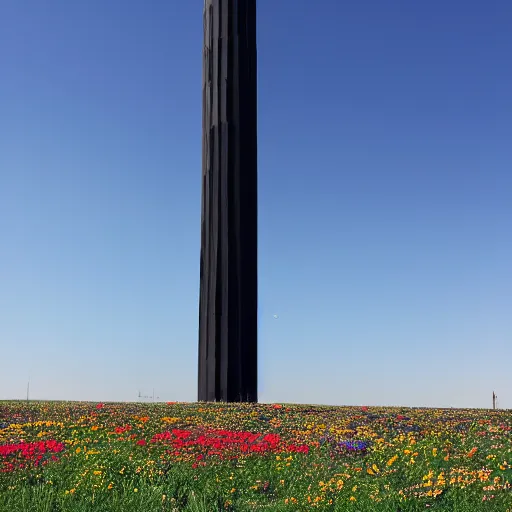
66,456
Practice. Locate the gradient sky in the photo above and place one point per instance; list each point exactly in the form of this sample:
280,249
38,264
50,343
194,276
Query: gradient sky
385,189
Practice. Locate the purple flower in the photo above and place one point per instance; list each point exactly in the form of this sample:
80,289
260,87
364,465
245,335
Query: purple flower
353,445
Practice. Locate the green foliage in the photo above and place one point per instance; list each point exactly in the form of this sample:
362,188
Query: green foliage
240,457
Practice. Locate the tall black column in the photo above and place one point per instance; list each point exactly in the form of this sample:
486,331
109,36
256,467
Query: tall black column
229,280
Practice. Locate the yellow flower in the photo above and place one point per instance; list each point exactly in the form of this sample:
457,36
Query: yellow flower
393,459
375,468
110,485
78,450
429,475
352,498
434,452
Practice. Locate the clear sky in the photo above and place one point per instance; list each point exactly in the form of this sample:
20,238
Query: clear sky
385,200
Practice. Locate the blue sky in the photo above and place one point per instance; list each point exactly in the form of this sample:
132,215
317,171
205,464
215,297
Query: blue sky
385,206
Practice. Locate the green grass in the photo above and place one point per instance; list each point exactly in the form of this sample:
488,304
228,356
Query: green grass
414,459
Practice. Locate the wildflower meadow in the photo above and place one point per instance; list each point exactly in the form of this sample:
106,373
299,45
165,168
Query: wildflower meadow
163,457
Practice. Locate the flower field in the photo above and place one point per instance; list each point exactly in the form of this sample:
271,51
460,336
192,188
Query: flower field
67,456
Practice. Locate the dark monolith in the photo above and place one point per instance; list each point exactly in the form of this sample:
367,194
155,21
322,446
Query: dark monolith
229,279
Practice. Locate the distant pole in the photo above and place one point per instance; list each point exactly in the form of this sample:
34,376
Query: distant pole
28,388
494,400
227,367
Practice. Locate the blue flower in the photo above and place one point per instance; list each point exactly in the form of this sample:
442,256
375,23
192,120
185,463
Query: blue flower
353,445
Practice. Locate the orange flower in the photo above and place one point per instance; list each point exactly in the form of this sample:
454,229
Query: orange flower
472,452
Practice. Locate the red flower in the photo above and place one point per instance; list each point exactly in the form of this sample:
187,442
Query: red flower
120,430
141,442
225,442
33,452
